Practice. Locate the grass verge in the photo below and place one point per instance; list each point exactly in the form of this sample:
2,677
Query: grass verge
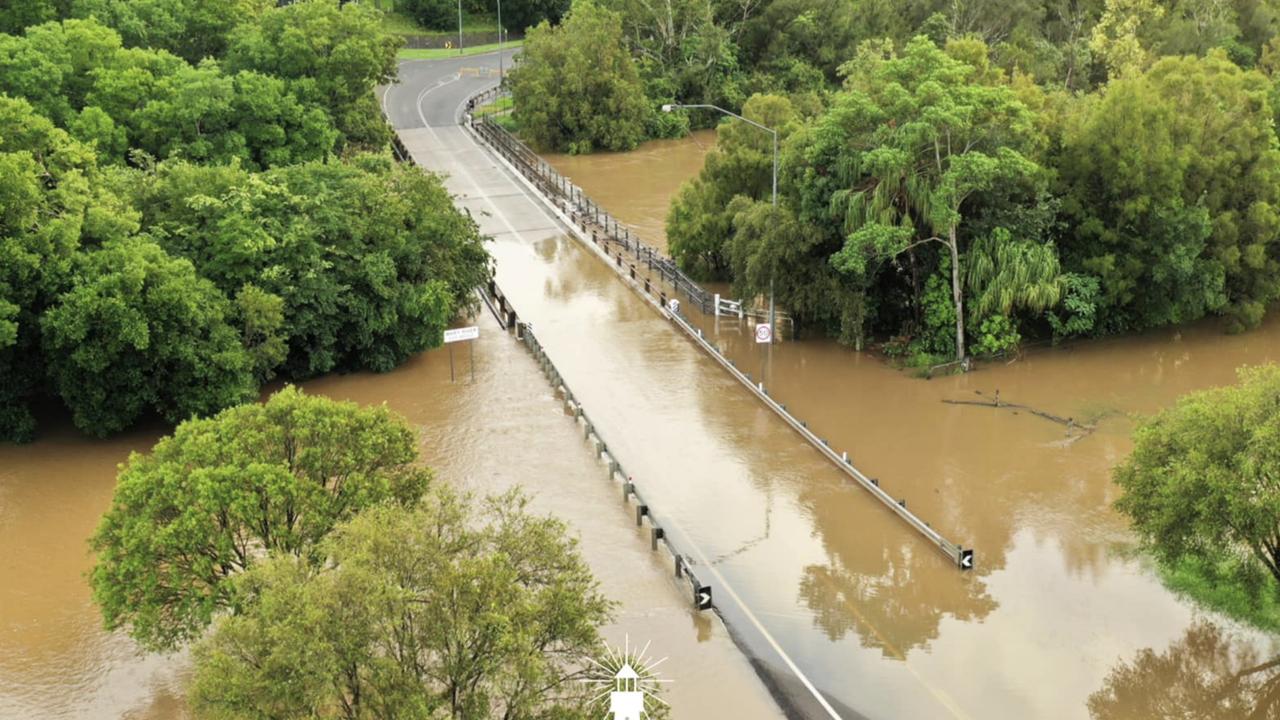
437,53
397,23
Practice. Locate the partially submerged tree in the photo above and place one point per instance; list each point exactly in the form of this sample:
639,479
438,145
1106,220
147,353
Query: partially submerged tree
439,611
903,151
224,493
1203,482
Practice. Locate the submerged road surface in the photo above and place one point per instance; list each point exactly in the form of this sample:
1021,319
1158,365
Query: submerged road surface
844,609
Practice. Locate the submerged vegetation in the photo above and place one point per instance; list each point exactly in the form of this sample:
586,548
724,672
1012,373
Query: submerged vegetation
955,178
193,202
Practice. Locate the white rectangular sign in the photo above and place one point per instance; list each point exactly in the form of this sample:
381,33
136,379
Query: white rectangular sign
764,333
460,334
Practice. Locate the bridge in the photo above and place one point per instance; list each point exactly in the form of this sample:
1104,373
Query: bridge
726,468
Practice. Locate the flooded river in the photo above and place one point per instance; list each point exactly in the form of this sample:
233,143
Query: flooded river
806,566
883,623
636,187
503,429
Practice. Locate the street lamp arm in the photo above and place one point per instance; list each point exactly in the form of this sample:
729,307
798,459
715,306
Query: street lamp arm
672,106
669,108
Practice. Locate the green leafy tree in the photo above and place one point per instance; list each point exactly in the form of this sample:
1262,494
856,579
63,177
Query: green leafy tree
1172,188
53,65
439,611
52,201
139,331
1118,37
333,55
904,152
261,316
227,492
1201,484
576,87
700,223
16,15
191,29
370,258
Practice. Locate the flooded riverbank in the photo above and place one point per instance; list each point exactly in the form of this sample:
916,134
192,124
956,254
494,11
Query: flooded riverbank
637,186
1059,604
505,429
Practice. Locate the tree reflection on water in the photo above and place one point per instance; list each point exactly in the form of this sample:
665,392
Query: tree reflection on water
1206,675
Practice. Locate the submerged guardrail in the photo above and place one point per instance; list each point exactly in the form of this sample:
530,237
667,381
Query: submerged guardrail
575,208
684,568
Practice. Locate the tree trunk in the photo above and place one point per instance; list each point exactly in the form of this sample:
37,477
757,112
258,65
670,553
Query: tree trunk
957,295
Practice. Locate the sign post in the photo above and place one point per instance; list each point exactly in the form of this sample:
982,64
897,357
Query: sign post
764,333
459,335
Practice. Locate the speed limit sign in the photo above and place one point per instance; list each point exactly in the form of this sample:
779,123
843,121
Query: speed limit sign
764,333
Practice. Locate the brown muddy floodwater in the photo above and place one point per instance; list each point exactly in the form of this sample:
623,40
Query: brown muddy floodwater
880,621
883,624
637,186
505,429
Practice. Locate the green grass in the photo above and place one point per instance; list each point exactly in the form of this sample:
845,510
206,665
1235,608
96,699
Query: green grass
437,53
1215,590
398,23
501,105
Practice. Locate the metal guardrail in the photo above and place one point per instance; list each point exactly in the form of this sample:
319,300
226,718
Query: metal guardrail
684,569
581,208
570,200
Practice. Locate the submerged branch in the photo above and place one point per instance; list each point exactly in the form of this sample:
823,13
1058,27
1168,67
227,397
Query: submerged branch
1080,429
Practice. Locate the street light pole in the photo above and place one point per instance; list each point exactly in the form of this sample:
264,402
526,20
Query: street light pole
459,27
501,78
668,108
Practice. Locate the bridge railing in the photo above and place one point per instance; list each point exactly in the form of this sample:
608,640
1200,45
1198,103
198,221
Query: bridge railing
569,200
684,567
581,208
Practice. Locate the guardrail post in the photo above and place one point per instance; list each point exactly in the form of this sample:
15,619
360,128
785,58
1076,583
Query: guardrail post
679,565
627,488
641,511
655,534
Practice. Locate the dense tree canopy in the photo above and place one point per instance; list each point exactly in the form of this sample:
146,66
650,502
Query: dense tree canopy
576,87
226,492
139,331
332,55
1172,182
180,227
445,610
191,29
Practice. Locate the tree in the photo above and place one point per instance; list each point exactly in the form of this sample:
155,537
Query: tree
699,223
901,153
52,201
191,29
439,611
332,54
1116,37
17,15
139,331
1203,482
370,258
575,85
1171,182
224,493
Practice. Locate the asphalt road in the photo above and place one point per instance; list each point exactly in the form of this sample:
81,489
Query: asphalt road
561,289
